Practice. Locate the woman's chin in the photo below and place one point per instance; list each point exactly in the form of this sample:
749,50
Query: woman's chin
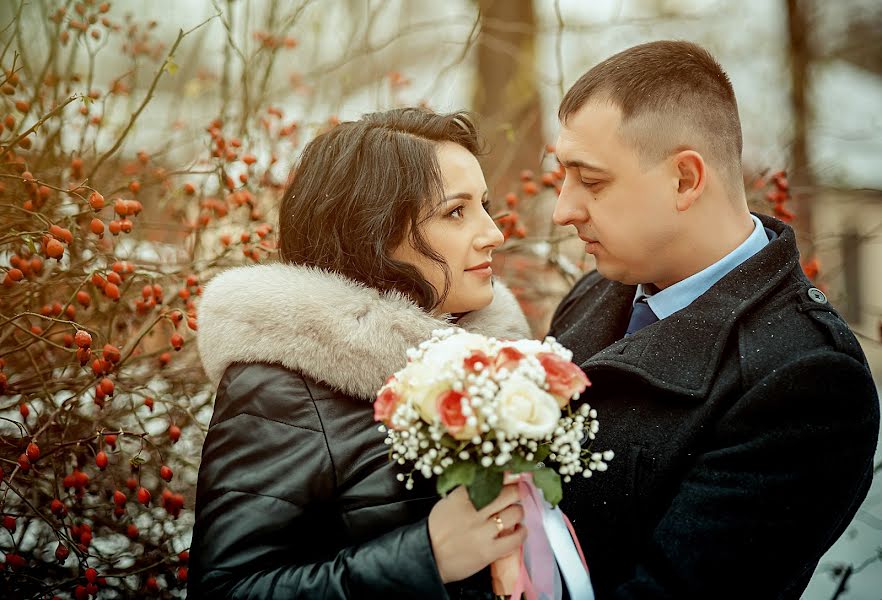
473,302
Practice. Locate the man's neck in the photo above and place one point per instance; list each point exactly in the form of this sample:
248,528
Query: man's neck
707,246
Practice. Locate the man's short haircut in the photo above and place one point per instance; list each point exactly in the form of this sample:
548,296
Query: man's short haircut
673,96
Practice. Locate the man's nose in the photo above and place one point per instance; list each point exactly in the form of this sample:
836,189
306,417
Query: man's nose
569,209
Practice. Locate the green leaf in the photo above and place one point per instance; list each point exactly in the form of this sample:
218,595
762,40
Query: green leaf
541,453
449,442
519,464
485,487
171,66
459,473
548,481
137,461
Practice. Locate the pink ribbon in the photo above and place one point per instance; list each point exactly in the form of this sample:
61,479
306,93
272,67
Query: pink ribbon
541,579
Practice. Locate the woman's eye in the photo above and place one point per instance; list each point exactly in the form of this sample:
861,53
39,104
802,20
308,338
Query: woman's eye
456,212
593,185
486,206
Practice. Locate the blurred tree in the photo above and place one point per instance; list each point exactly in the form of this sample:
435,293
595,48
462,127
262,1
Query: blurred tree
506,96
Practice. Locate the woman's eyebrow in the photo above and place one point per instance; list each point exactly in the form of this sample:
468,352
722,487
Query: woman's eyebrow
463,196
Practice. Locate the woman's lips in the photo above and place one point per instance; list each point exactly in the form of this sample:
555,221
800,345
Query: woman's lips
483,270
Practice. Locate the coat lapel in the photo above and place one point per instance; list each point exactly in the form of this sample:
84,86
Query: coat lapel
682,352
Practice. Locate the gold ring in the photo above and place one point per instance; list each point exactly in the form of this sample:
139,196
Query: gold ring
499,526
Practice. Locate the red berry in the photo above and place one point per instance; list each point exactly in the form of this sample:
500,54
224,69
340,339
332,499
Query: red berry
110,440
152,585
182,574
111,353
83,298
91,575
61,553
132,531
96,201
106,386
144,496
15,561
164,359
177,341
166,473
54,249
97,227
9,523
24,463
33,452
184,556
111,291
174,432
189,189
148,402
83,338
57,507
119,498
101,460
24,410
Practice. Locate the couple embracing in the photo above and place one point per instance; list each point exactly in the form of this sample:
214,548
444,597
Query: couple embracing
738,403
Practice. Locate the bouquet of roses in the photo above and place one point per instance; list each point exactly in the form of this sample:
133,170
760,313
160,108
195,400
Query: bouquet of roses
468,409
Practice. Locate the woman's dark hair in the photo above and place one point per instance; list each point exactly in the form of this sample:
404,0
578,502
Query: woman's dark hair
363,186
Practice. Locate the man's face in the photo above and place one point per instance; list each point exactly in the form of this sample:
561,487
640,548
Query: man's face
625,211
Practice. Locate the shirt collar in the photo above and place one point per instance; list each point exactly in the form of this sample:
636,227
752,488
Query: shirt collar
683,293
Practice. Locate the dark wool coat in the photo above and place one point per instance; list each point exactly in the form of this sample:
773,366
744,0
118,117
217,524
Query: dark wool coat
744,428
296,496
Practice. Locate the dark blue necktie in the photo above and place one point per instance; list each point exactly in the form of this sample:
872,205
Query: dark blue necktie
641,316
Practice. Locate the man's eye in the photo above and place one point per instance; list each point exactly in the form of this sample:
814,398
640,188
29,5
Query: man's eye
486,206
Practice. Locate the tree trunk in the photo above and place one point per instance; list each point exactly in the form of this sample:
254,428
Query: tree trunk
506,98
800,54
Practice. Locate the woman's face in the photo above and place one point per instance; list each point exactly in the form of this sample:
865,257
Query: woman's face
461,232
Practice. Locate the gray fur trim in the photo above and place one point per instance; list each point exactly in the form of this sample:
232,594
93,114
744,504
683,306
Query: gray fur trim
328,327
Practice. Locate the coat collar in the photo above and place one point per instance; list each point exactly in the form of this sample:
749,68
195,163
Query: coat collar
330,328
682,352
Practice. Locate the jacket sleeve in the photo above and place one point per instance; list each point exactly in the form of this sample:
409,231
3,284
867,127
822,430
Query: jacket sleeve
265,482
790,463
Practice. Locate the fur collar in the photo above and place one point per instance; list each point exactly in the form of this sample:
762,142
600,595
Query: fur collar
325,326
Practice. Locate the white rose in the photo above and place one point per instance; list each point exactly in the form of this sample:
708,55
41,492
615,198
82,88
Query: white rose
525,410
527,346
421,387
454,349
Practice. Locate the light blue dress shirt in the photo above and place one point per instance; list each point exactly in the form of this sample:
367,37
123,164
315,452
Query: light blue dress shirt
683,293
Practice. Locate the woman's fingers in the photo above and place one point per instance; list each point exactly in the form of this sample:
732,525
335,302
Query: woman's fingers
505,545
508,518
508,496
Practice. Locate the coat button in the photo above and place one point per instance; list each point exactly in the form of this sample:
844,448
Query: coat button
817,295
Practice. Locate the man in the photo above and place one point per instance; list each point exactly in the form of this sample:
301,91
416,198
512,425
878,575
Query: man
738,403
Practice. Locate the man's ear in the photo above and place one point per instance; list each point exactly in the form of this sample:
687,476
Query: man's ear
691,177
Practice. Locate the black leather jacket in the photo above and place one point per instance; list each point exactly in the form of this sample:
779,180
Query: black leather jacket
296,496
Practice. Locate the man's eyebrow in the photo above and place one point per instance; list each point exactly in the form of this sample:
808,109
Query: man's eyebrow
463,196
580,164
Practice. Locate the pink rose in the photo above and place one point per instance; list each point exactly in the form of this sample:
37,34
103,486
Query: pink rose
474,359
508,358
385,404
564,378
450,413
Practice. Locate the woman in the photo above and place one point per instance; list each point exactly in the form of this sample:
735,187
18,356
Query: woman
384,236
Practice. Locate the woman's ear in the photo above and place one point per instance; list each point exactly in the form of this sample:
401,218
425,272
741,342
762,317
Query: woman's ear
692,176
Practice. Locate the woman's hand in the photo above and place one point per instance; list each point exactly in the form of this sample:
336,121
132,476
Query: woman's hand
466,540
